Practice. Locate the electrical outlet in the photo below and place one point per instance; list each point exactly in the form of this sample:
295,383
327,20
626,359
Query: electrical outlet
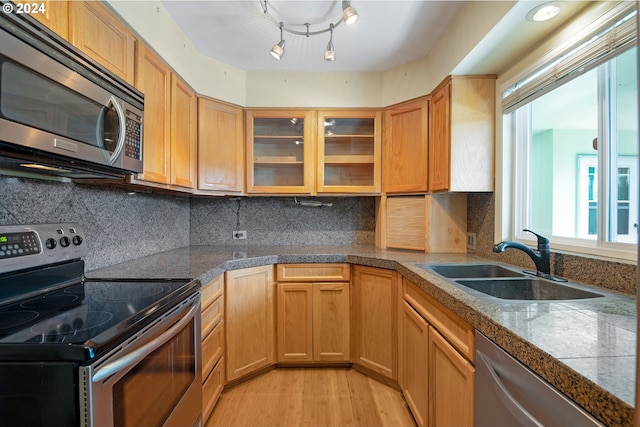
240,235
471,241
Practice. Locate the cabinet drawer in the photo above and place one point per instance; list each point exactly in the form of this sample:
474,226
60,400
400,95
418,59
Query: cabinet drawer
211,316
211,390
212,349
312,272
212,290
458,332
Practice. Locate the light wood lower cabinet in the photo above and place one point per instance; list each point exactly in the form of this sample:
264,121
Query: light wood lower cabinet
313,322
451,384
212,344
313,316
249,317
436,354
414,347
374,320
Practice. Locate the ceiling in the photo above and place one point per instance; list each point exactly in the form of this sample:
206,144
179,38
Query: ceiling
388,33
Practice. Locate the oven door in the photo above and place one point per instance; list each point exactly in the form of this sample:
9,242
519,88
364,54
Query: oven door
153,379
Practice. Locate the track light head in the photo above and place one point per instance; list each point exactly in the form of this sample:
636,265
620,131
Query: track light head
330,53
278,50
349,14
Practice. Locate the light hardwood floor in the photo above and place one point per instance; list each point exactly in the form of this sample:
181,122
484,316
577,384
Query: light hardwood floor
311,397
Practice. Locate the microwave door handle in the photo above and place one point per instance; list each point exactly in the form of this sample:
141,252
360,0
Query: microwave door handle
139,354
122,128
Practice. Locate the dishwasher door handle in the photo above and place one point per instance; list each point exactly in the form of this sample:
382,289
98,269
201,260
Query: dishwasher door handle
508,400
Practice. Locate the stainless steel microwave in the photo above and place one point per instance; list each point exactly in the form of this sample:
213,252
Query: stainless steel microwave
60,112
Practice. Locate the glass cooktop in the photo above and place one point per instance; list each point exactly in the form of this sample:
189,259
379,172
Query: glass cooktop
81,320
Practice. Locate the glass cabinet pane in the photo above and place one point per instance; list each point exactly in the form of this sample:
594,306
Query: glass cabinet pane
278,152
349,152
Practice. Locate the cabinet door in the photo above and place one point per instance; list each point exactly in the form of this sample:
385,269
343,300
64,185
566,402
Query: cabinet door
451,385
413,362
183,133
153,78
220,146
405,147
374,320
280,151
349,152
249,313
295,322
54,14
331,331
440,139
98,32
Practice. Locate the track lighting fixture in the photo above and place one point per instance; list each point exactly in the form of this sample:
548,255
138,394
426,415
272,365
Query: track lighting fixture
330,54
349,16
278,50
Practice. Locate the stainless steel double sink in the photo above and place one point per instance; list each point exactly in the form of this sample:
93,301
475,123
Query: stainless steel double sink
510,284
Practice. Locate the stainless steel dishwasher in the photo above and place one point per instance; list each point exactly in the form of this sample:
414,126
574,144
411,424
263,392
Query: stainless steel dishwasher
508,394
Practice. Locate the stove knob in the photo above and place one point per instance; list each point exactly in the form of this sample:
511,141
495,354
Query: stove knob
77,240
65,241
51,243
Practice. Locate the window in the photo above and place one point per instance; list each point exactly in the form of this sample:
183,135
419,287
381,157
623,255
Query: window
573,127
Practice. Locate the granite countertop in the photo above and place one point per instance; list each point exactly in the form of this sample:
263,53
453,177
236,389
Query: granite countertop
585,348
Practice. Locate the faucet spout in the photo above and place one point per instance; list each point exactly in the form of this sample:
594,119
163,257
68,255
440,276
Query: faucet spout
541,258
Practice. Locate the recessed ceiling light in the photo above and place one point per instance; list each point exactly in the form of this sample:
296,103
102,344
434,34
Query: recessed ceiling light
544,12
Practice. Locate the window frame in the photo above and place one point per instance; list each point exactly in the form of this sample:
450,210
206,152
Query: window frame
509,192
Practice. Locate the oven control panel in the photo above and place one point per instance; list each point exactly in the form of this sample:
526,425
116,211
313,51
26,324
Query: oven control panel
35,245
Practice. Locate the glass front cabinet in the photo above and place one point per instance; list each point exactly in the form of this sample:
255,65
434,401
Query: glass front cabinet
349,144
280,151
312,152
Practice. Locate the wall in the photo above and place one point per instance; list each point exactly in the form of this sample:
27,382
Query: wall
151,20
608,274
280,221
118,226
208,77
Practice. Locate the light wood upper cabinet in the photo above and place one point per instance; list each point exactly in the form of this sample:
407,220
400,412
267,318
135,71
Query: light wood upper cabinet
349,151
405,147
220,146
280,151
169,128
374,320
249,316
183,133
153,78
462,134
439,140
54,14
98,32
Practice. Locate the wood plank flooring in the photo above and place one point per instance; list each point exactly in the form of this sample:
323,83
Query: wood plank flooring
311,397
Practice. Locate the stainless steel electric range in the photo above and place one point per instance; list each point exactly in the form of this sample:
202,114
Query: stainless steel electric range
79,352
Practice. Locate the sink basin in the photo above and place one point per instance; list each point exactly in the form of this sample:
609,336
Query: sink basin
463,271
527,289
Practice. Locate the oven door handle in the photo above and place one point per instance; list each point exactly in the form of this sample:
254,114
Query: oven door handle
139,354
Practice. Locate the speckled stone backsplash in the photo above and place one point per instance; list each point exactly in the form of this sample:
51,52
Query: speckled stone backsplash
280,221
119,226
617,276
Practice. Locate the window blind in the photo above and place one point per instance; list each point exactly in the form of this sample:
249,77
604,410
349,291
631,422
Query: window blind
617,35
